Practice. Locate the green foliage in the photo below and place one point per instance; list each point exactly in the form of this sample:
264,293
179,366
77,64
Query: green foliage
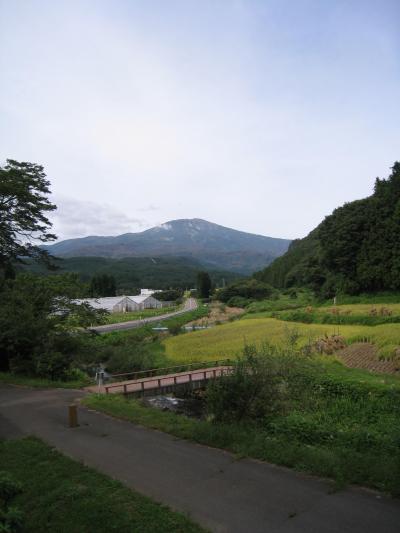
248,289
61,495
174,328
203,284
132,358
102,285
38,326
170,295
355,249
78,379
289,299
23,207
10,517
239,301
259,386
133,273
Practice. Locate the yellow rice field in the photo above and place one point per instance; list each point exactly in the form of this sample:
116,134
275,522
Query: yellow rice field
228,340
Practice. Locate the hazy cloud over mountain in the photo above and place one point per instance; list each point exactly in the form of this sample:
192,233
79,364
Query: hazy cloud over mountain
77,217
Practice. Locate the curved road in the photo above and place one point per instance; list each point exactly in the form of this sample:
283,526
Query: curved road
189,305
221,492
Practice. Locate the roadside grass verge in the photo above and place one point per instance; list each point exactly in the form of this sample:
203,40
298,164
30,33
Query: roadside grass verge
61,495
26,381
228,340
348,429
180,320
115,318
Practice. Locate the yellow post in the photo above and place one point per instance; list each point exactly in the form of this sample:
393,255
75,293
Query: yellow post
73,416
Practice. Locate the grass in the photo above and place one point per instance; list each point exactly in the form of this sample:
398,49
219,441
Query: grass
115,318
26,381
63,496
371,298
284,301
362,309
348,429
228,340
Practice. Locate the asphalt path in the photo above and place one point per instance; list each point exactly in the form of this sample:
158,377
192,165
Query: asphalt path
190,305
213,487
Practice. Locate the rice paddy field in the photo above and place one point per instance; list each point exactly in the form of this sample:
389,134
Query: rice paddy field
228,340
362,309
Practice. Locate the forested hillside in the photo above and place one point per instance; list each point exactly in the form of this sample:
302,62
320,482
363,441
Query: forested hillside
137,272
355,249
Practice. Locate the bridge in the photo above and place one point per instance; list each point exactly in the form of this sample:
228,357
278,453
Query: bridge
159,381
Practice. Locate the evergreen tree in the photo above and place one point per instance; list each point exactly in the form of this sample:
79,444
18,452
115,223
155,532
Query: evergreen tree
102,285
203,284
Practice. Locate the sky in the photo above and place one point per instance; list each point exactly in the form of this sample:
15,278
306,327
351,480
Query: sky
262,116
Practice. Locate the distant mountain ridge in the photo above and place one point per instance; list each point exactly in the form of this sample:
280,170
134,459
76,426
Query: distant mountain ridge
212,245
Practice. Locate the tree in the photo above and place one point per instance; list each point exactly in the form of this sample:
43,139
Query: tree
41,326
247,289
23,207
102,285
203,284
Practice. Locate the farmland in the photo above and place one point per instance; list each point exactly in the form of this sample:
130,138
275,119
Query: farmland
228,340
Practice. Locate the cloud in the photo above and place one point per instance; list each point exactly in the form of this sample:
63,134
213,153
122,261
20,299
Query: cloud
150,207
78,218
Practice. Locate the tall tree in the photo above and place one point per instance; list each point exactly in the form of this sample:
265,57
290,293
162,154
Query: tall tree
102,285
23,208
203,284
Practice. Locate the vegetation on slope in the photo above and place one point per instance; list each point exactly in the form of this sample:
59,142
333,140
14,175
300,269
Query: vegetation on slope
355,249
133,273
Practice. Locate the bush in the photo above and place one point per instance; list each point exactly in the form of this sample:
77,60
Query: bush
262,384
239,301
249,289
53,365
174,329
10,517
130,358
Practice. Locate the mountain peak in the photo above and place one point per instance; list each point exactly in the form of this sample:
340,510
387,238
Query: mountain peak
213,245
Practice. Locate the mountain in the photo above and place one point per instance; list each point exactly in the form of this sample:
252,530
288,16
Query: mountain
133,273
212,245
355,249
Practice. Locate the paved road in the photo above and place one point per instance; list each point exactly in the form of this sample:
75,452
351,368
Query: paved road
216,490
190,305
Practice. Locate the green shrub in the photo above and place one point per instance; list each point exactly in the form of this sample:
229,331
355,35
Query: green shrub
131,358
248,289
262,384
10,517
239,301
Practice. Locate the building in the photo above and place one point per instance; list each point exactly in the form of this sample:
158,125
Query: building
123,304
148,292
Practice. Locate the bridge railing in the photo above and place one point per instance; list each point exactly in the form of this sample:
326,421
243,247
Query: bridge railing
140,374
200,376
